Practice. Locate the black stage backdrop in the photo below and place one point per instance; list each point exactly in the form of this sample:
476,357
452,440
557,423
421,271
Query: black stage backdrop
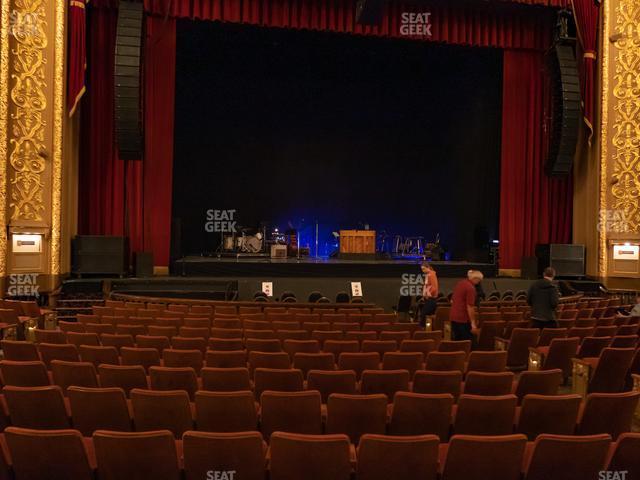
302,127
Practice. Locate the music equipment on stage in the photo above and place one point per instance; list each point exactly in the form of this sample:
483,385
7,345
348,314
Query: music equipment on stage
252,243
278,251
369,12
564,120
128,94
143,264
228,243
567,259
100,255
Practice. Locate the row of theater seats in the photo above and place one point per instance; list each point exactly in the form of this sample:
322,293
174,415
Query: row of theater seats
64,454
98,408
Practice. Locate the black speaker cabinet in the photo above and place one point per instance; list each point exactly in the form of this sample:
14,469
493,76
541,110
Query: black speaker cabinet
100,255
529,268
567,259
143,264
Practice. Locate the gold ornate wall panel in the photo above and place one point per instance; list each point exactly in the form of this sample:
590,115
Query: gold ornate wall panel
27,148
625,141
32,87
620,128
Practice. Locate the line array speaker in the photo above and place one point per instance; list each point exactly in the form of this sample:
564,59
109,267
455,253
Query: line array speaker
128,92
565,118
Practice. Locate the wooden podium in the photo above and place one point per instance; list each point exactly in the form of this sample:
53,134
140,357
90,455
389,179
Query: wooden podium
358,242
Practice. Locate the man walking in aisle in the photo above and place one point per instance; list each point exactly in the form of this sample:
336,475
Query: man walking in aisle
543,299
463,302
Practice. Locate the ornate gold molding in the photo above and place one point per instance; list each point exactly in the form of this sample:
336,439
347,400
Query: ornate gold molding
58,115
604,118
28,96
4,128
625,141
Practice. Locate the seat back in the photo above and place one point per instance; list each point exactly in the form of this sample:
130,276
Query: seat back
99,355
295,412
561,351
147,357
383,457
126,377
557,414
167,410
136,455
610,413
225,379
387,382
19,351
445,361
355,415
518,351
430,381
321,457
36,407
610,373
410,361
226,411
99,409
227,359
359,362
54,351
24,374
625,455
548,334
280,380
488,383
328,382
182,358
479,415
480,361
545,382
577,457
206,452
79,374
591,347
419,414
471,457
313,361
60,454
174,378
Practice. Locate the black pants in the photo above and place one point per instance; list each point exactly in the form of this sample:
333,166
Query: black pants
426,307
543,324
461,331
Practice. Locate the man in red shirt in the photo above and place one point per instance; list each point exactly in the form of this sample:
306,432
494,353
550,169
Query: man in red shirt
463,300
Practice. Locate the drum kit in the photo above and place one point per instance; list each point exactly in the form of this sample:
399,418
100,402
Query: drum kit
244,240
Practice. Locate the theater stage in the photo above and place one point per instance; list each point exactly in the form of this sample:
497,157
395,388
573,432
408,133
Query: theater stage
318,267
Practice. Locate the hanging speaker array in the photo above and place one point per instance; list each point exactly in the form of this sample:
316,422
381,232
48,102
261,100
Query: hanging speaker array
565,117
128,90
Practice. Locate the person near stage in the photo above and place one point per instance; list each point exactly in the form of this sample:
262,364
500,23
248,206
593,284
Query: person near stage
543,299
480,295
635,311
428,302
463,304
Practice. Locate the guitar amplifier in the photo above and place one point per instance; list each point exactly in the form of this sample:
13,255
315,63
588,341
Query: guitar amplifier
278,251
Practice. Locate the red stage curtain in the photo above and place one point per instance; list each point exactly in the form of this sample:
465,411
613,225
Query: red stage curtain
77,60
159,88
585,13
146,187
533,207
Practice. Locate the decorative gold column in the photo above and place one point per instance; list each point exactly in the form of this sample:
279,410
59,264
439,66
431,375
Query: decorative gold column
32,87
619,227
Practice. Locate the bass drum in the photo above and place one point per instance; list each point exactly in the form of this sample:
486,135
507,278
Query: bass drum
252,244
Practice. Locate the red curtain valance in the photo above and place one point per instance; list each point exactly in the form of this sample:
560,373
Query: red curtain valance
500,25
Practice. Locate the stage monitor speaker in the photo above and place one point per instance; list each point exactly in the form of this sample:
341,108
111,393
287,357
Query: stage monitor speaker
128,94
567,259
143,264
100,255
369,12
565,110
